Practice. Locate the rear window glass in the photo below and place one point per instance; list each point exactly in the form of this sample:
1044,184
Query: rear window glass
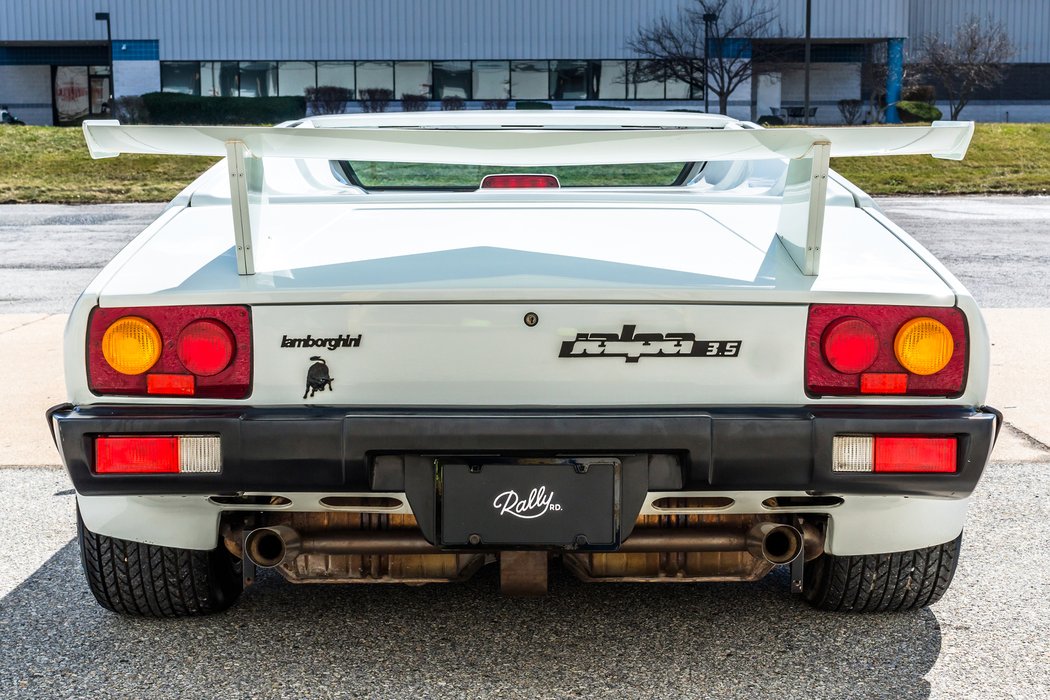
375,175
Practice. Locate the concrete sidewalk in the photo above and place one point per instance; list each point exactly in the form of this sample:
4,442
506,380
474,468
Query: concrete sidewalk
31,375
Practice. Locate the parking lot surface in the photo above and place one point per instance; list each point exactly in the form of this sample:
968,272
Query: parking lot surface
988,638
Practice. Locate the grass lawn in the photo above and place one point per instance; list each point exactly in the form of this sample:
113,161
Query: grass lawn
49,164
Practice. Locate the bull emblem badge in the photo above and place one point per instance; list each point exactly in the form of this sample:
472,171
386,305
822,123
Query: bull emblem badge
317,377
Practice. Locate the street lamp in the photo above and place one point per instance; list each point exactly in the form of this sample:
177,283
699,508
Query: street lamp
709,19
104,17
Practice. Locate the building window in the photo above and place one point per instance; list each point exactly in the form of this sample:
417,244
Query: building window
491,80
529,80
608,80
219,78
258,78
336,74
294,78
183,77
676,89
375,75
639,88
412,78
568,80
452,79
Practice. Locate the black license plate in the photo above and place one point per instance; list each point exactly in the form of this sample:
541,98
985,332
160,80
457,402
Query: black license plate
530,503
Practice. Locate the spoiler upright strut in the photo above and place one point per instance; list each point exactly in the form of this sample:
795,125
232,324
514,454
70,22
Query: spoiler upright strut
529,139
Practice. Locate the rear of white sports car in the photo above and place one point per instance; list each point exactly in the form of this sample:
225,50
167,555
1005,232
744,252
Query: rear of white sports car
360,378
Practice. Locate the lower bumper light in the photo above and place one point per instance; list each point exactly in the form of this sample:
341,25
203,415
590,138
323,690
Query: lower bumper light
158,454
853,453
894,454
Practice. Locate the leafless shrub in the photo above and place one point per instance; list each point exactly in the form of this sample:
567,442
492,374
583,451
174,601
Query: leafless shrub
494,104
449,104
375,99
850,110
413,103
328,99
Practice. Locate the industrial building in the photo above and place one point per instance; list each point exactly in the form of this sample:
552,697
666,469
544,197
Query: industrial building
58,57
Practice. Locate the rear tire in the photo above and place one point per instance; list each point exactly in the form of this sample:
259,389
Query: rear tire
132,578
882,582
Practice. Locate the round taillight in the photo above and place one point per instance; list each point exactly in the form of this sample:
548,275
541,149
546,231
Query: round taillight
131,345
924,346
850,345
205,347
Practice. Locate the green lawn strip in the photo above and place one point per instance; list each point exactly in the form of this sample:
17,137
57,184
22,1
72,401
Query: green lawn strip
51,165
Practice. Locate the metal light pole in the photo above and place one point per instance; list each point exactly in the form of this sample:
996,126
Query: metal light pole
104,17
709,19
809,17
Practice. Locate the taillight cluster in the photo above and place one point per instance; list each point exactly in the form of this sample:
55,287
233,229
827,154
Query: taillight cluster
854,349
201,351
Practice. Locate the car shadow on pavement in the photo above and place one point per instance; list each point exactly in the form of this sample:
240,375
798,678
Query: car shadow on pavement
582,640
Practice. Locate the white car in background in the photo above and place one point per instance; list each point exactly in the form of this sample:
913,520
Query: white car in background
650,347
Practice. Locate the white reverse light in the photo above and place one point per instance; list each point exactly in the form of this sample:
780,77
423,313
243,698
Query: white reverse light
199,454
853,453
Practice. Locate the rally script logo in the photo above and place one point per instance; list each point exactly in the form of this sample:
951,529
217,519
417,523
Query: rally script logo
538,503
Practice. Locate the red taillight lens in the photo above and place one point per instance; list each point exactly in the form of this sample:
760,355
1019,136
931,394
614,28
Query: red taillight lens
915,454
137,455
850,345
842,338
205,347
211,342
158,454
516,181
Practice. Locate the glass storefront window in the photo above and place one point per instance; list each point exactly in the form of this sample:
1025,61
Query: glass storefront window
677,90
529,80
375,75
607,80
491,80
219,78
336,74
452,79
294,77
258,78
412,78
183,77
568,80
640,88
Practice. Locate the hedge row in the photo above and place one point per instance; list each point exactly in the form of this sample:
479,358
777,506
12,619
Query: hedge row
172,108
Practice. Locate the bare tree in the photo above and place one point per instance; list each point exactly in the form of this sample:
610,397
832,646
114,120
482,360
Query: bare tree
673,49
973,58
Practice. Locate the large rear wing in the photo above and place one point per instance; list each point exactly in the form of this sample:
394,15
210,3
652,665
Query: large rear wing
531,139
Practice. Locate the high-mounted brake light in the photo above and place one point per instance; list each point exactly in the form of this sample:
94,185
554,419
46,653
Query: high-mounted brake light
855,350
518,181
157,454
199,351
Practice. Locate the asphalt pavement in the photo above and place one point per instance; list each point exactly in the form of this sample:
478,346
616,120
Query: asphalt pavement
989,637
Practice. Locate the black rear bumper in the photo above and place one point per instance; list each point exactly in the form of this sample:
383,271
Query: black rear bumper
334,449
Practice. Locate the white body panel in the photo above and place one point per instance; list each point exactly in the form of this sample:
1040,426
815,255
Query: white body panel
860,525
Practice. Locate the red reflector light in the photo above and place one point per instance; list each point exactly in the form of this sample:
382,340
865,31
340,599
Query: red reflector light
850,345
915,454
169,384
875,383
515,181
137,455
205,347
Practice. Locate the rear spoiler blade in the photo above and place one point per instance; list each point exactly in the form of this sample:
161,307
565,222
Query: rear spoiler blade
536,140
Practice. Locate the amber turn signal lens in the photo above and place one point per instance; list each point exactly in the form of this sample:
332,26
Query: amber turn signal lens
131,345
924,346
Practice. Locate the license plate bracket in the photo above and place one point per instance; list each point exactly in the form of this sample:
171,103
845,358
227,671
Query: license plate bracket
571,503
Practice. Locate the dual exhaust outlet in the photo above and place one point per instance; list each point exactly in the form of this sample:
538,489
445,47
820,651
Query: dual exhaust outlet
776,543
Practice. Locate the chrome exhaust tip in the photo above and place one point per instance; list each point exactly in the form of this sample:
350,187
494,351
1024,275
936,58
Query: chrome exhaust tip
774,542
267,547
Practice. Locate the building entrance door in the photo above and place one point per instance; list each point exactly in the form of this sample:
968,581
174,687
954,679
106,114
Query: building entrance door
80,92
